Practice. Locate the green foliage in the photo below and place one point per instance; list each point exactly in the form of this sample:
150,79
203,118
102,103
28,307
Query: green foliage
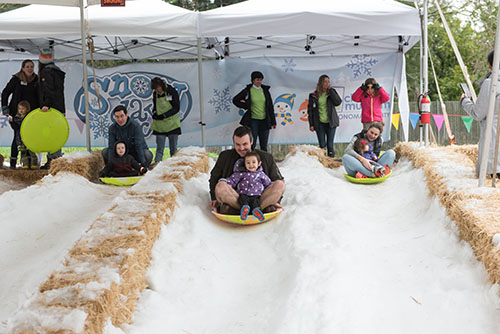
473,27
201,5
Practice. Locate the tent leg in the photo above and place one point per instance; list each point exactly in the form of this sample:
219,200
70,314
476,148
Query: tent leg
200,88
85,74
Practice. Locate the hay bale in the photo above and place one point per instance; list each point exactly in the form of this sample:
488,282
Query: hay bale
105,271
85,164
317,152
24,176
476,214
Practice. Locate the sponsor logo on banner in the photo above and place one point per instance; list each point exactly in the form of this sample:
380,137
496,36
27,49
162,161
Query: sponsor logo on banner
131,89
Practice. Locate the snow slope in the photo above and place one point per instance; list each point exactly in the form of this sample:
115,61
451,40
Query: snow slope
342,258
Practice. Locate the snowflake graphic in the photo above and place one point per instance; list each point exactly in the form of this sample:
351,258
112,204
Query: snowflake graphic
141,86
221,100
4,122
99,125
288,65
217,74
361,64
93,103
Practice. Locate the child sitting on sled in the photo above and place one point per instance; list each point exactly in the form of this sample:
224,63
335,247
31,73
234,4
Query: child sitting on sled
366,151
121,163
249,180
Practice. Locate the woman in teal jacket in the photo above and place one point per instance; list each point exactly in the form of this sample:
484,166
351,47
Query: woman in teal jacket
166,121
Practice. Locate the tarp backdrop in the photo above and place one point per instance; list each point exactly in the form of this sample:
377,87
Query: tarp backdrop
291,81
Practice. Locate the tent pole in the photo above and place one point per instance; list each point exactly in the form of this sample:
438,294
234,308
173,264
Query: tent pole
491,107
85,75
200,88
425,65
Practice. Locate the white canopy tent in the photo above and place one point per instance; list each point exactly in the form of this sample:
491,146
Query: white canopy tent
153,29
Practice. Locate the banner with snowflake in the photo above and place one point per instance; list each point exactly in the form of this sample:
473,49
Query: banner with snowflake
291,81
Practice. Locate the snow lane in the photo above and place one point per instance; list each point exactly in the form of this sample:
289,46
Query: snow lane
40,224
342,258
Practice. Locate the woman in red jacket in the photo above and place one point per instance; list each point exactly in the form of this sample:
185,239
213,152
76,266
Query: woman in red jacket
372,96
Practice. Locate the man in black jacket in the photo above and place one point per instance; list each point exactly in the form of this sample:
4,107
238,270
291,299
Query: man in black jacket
129,131
222,193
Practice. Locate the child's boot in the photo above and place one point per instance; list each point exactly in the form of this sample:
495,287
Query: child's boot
245,209
257,212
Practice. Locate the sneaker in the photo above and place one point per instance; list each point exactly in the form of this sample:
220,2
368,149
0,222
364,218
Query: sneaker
153,165
380,172
360,175
258,214
245,209
387,170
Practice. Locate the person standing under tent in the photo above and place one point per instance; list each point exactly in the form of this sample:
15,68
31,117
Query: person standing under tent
259,116
166,122
479,111
323,117
22,86
51,90
372,96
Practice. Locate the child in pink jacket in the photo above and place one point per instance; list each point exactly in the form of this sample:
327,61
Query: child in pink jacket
372,96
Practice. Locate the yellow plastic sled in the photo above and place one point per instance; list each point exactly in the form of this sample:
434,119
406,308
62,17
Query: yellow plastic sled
369,180
251,220
121,181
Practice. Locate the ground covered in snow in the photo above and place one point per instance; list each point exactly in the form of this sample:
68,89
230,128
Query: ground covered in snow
341,258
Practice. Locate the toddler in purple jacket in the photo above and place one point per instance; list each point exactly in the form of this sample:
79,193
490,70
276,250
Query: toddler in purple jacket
249,180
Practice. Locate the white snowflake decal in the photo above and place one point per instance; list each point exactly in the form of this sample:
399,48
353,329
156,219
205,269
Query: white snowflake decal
99,125
93,103
141,86
217,74
361,64
221,100
288,65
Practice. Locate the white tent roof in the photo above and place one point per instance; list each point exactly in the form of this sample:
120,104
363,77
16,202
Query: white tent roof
280,27
170,30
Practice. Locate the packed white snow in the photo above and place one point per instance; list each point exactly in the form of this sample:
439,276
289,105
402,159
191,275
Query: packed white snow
341,258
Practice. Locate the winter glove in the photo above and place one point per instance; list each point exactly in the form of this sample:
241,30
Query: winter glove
364,87
5,110
101,174
156,116
143,170
376,86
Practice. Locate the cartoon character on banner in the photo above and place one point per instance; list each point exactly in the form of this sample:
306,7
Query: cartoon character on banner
303,116
283,106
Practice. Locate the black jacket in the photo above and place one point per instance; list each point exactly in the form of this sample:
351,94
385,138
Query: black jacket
332,100
247,105
20,91
130,133
171,91
225,163
118,166
52,87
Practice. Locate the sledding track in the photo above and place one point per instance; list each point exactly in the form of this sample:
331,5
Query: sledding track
342,258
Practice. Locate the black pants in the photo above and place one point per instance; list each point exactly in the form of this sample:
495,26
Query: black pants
252,201
14,151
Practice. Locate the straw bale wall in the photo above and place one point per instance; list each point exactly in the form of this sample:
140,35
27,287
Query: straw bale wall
476,211
316,152
103,274
86,164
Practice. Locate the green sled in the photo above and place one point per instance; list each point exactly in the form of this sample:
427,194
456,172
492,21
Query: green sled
44,131
370,180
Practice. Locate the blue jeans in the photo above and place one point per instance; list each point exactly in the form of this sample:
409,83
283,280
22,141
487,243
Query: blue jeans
160,145
353,165
260,130
326,135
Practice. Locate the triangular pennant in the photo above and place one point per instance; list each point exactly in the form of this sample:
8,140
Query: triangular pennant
395,121
467,122
414,119
438,119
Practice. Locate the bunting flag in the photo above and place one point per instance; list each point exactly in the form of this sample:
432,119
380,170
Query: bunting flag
467,122
414,117
395,121
438,119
